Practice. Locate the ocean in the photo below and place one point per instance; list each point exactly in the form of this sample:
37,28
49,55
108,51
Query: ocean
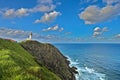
95,61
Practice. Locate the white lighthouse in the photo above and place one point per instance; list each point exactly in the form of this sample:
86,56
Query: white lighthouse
30,36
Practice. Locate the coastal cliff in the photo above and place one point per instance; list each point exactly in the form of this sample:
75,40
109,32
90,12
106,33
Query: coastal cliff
50,57
32,60
17,64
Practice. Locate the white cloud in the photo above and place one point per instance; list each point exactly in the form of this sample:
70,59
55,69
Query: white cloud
94,14
21,12
42,6
54,28
16,13
99,31
48,17
95,34
9,13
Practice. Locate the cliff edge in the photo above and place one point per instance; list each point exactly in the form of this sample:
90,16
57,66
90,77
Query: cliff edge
50,57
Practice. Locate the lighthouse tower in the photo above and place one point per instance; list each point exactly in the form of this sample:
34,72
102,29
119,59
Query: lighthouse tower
30,36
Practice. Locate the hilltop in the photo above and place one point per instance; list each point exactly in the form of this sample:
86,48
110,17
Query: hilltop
32,60
17,64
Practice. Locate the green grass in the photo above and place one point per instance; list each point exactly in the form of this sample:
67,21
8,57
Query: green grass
18,64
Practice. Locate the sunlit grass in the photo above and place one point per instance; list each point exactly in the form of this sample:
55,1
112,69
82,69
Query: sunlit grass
18,64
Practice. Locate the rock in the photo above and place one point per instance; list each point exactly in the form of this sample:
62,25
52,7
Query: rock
74,69
50,57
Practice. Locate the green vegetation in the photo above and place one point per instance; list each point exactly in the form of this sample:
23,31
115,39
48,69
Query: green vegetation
17,64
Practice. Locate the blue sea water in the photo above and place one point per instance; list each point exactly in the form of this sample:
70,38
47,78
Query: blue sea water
94,61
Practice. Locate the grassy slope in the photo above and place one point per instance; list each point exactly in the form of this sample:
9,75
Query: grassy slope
18,64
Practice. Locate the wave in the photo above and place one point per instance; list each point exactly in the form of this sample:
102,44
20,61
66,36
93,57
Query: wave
85,73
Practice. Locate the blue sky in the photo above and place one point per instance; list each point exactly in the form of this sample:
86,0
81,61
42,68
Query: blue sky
61,20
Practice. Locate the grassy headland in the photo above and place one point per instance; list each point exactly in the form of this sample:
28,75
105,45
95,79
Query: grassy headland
17,64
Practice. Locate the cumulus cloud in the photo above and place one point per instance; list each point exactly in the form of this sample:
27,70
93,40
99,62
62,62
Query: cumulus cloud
99,31
16,13
48,17
21,12
9,12
42,6
94,14
95,34
54,28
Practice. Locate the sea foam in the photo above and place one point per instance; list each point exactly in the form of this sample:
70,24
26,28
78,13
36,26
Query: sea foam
85,73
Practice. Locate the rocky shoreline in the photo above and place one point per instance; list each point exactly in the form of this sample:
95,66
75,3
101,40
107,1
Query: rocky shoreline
50,57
